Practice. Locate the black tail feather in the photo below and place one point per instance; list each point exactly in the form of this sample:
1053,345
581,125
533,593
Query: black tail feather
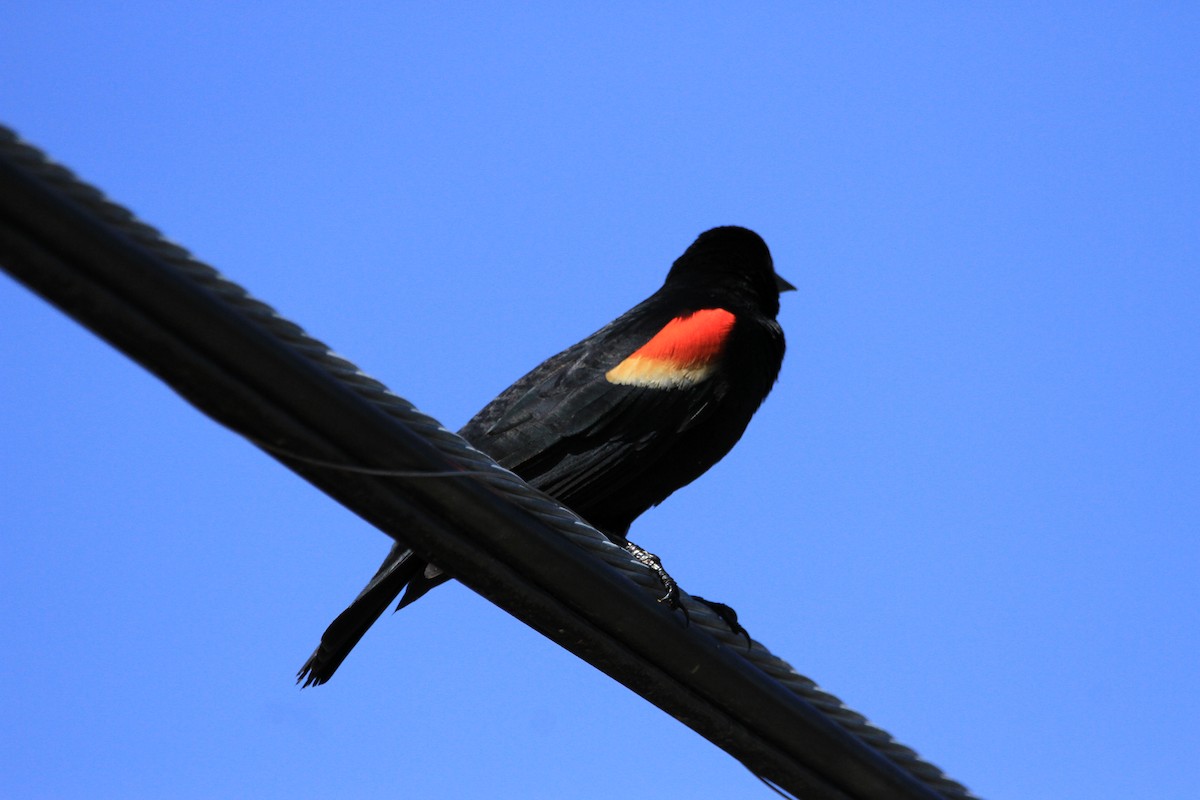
398,570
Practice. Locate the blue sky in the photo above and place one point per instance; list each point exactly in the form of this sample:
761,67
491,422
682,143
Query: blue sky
970,507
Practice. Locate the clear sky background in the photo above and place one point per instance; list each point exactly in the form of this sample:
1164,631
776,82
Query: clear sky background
970,507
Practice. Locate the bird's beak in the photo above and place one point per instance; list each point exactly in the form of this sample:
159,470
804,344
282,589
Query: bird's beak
783,285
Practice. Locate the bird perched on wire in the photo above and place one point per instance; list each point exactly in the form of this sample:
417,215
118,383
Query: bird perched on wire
614,424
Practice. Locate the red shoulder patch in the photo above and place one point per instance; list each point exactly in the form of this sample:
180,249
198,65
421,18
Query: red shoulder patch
683,353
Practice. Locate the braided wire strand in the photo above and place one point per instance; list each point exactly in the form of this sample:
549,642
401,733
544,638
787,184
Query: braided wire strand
460,452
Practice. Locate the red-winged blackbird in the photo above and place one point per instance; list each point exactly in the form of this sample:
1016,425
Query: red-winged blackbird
616,423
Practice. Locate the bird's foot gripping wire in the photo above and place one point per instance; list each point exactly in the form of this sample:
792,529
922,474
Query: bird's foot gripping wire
671,597
729,616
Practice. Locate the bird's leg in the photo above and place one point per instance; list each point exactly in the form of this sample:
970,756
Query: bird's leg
671,597
652,561
728,615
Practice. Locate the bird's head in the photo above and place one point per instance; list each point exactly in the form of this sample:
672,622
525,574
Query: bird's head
730,259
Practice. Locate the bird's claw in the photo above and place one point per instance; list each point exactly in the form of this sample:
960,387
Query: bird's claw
671,594
729,616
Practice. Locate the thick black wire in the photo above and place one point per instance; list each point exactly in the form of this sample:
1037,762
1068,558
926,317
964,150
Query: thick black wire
466,458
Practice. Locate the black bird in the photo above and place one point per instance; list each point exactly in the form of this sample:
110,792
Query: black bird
619,421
